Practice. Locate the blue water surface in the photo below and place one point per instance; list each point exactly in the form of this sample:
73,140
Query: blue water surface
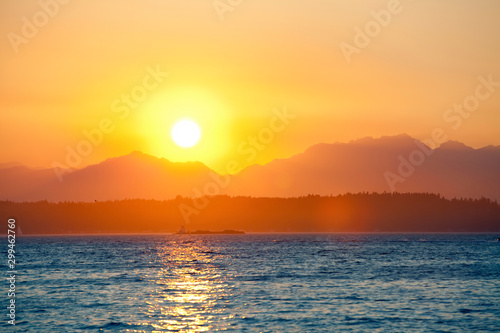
257,283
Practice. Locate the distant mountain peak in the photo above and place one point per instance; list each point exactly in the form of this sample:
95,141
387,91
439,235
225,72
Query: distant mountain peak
491,148
400,141
133,156
140,157
454,145
384,139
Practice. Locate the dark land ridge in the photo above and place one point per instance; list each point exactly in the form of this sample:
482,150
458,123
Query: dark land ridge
362,212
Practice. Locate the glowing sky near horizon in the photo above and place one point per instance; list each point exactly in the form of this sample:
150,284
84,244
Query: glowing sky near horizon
231,75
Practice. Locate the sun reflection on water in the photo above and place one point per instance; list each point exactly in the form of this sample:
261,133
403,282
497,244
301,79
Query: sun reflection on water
188,288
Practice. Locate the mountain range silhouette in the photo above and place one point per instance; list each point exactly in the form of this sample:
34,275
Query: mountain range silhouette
365,165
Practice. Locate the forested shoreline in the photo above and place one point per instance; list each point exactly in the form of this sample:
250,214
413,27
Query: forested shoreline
362,212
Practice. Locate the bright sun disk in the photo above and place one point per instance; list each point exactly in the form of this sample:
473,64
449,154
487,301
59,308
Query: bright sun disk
186,133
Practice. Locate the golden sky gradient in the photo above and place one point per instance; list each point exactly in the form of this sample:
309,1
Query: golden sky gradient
231,76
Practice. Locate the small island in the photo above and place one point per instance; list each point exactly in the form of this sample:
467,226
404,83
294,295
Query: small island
208,232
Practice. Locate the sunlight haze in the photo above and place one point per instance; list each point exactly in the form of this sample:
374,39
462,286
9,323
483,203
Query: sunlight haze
231,74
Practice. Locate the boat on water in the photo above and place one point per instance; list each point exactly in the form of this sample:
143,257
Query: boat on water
183,231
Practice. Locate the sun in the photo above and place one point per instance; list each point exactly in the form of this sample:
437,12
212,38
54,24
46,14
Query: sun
186,133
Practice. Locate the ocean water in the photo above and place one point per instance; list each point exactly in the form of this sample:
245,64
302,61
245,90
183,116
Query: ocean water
258,283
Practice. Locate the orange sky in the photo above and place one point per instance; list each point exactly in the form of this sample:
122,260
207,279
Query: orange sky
233,75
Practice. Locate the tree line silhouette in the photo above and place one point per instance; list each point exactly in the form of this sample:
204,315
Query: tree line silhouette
362,212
